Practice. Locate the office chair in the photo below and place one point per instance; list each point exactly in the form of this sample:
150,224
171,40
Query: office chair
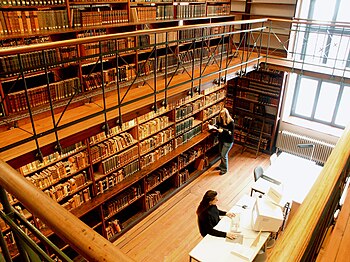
258,172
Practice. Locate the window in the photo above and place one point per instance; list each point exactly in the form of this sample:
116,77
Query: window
321,101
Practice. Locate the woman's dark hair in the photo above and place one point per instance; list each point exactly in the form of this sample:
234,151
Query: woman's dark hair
204,204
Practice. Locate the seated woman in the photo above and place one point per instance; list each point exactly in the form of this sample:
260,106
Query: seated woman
209,216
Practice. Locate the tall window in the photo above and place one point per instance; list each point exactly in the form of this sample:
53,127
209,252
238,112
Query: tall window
314,99
321,101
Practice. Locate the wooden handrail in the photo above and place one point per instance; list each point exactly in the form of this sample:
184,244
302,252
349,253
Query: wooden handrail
303,229
77,234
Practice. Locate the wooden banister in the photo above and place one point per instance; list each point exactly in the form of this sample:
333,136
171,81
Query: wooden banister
77,234
304,234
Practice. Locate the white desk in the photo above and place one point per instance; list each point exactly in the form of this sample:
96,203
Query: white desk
214,249
297,175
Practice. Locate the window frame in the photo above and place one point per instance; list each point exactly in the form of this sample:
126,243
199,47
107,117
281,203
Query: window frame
316,100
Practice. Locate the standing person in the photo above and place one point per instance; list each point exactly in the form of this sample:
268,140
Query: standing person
226,128
209,216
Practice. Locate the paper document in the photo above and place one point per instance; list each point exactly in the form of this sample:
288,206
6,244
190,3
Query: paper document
211,127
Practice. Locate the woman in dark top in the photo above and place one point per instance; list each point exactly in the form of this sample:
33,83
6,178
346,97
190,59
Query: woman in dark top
209,216
225,127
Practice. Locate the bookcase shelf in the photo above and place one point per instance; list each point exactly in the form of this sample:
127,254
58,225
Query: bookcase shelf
255,99
129,199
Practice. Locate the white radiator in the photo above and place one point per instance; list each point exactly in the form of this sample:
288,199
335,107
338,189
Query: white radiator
288,142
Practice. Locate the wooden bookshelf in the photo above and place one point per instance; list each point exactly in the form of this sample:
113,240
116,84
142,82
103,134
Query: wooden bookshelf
121,188
255,100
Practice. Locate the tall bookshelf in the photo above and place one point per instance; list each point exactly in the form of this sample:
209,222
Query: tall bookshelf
111,181
255,103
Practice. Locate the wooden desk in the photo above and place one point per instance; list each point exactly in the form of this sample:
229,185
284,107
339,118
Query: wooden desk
211,248
297,176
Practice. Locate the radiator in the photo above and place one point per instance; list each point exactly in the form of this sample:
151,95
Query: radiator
288,142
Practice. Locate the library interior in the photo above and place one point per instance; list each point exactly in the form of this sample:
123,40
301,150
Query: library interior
111,130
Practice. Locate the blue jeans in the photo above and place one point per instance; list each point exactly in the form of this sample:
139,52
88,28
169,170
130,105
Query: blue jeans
224,148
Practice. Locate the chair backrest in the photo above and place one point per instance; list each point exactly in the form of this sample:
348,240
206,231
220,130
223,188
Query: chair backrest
258,171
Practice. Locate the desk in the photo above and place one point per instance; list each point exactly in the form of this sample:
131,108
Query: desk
297,175
213,249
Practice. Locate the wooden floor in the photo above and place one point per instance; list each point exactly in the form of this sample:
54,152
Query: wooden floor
170,232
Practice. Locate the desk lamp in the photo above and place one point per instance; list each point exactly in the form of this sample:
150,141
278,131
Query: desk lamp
308,146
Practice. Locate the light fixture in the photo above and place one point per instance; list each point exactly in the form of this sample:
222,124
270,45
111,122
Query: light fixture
308,146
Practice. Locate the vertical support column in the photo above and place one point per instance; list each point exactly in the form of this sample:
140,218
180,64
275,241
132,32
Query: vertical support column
118,89
39,154
58,145
221,54
192,74
165,102
201,59
105,126
155,73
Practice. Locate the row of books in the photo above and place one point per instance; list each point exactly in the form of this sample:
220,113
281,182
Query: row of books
62,190
184,126
154,156
16,22
112,132
263,99
54,174
157,140
182,177
95,18
151,114
187,157
114,227
189,55
29,40
187,136
98,47
144,13
250,140
145,67
153,126
214,97
117,161
58,171
224,9
190,11
268,77
165,12
122,200
188,109
31,2
111,146
38,96
152,199
184,100
115,178
160,175
212,110
78,199
30,61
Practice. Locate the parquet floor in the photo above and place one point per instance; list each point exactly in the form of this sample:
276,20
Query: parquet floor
170,232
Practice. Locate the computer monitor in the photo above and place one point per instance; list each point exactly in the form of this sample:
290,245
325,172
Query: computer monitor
266,216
